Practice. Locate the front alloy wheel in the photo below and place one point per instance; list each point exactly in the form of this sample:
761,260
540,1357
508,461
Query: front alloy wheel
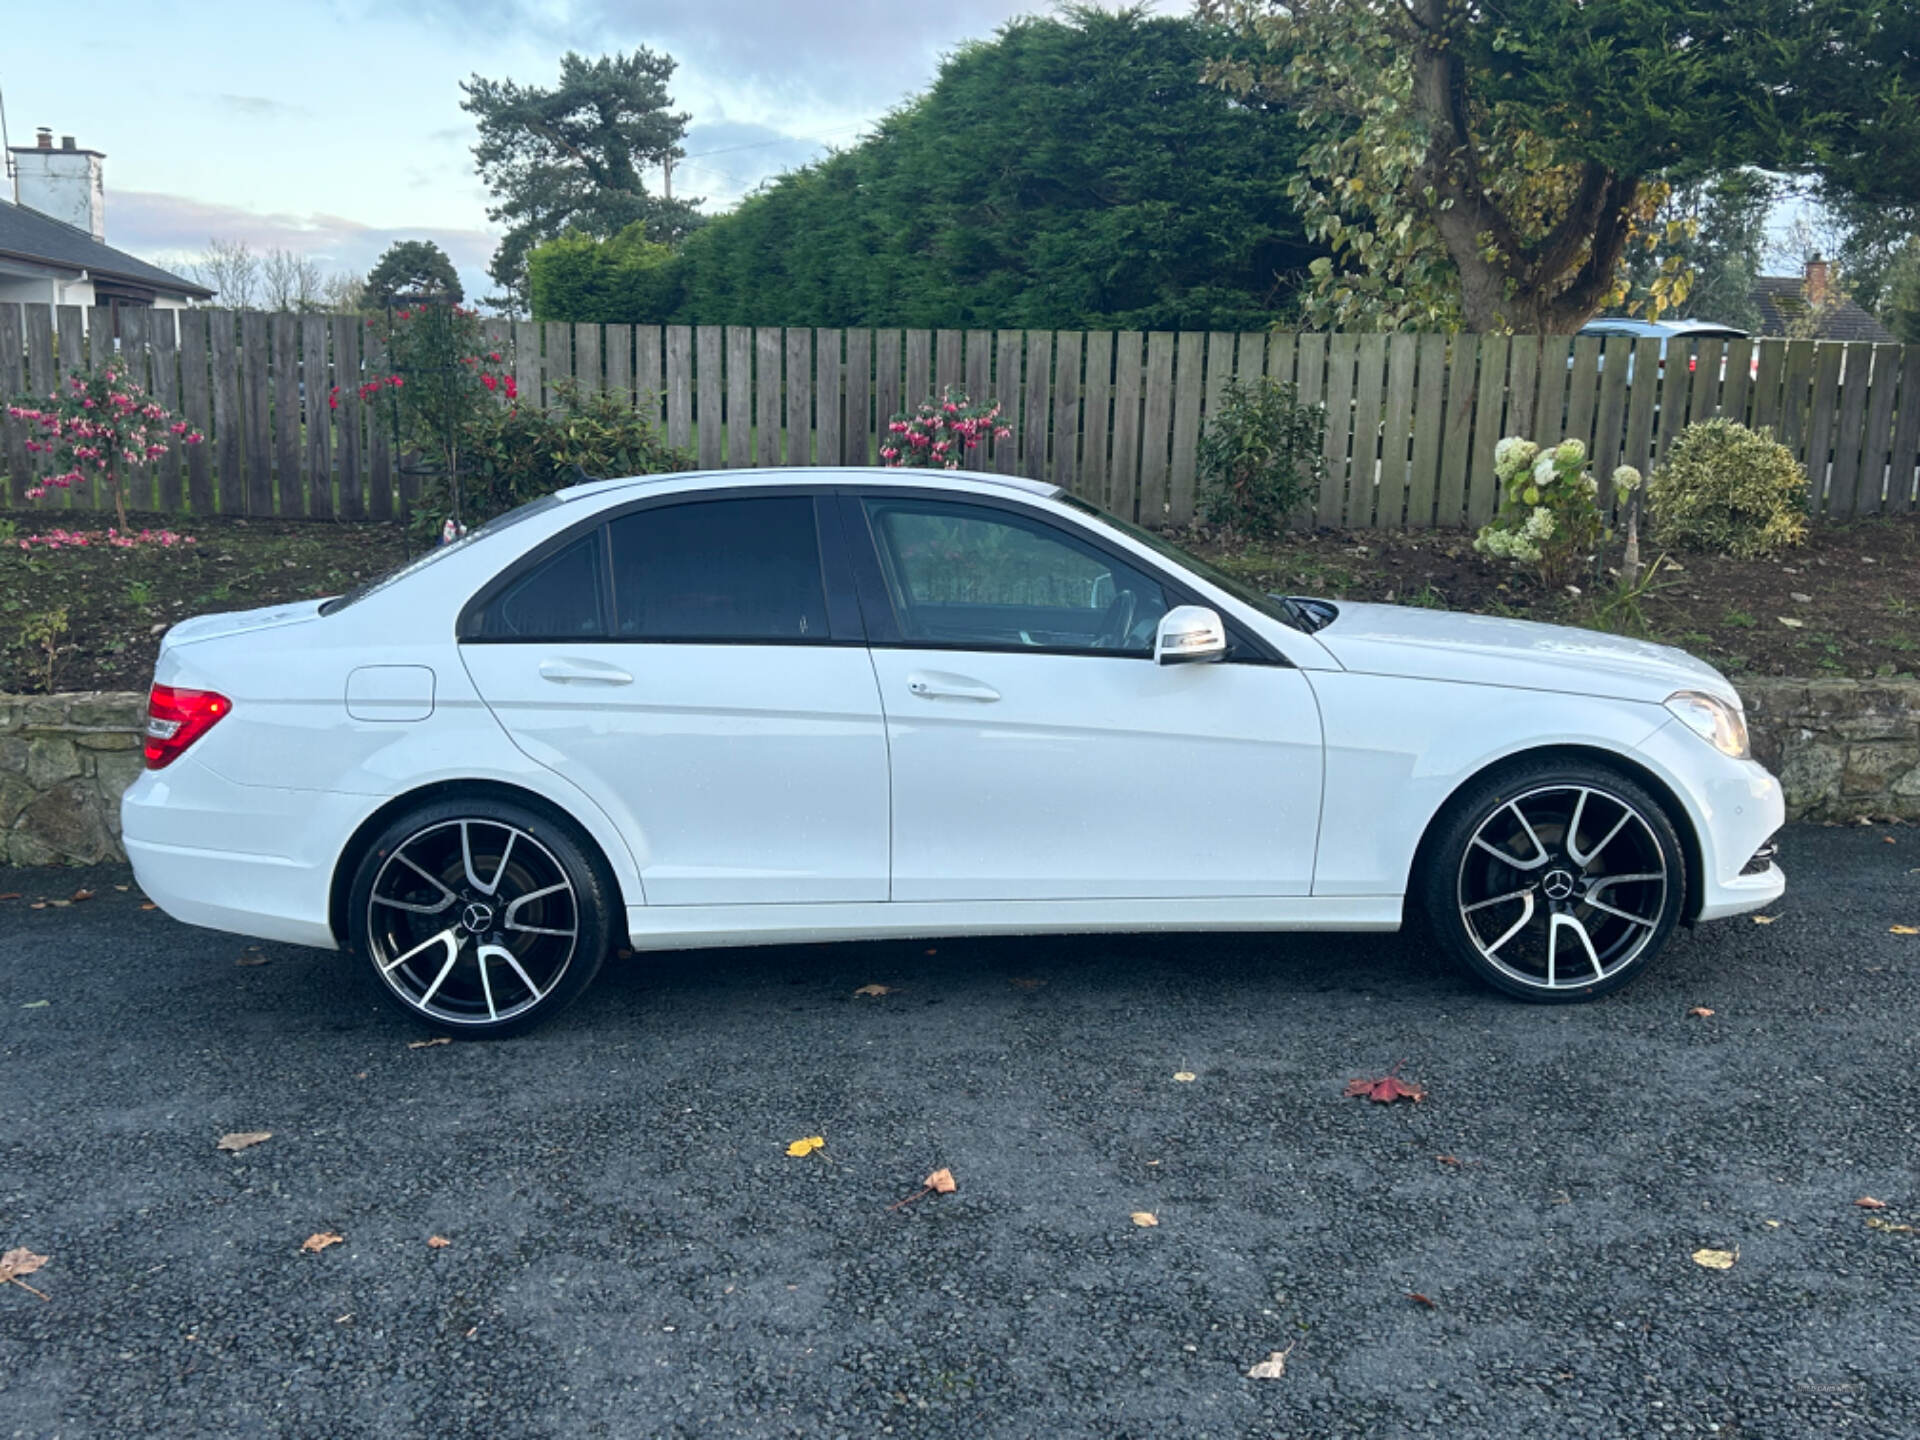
1560,886
480,921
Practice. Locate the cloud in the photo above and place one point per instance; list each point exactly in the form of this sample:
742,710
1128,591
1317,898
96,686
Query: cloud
259,107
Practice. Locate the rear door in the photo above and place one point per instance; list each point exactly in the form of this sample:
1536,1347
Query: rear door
697,665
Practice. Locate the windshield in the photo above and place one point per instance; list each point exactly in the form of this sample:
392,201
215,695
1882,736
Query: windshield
1274,607
440,552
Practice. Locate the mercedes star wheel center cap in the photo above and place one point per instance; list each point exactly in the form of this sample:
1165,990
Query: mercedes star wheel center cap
1558,885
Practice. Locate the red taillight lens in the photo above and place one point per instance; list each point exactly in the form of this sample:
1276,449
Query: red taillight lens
177,718
1693,363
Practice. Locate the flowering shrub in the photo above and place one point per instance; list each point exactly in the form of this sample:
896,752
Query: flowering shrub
1261,457
938,435
1728,489
1549,518
113,539
99,425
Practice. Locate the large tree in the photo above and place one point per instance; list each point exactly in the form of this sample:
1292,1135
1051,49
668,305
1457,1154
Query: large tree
1491,163
413,270
1071,171
1711,230
570,159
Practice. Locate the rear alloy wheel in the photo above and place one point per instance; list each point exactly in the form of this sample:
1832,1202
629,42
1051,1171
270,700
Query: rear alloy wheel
1557,884
480,920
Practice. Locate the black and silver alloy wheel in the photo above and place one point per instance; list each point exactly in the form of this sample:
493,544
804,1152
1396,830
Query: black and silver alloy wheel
1559,887
477,923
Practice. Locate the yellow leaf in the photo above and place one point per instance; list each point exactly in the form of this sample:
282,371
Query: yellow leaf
1902,930
1876,1223
1184,1076
1145,1219
806,1146
1716,1259
1765,919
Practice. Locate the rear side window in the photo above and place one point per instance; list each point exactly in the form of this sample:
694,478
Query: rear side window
559,599
720,570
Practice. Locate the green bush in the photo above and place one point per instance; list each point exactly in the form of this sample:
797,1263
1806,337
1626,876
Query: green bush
1261,457
628,279
1729,490
1549,518
522,453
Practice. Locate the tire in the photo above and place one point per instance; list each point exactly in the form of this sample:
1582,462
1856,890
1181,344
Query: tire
1554,880
480,917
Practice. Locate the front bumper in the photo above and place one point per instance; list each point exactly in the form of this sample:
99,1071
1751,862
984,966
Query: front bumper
1735,806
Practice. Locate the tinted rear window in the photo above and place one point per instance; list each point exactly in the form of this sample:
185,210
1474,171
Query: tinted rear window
719,570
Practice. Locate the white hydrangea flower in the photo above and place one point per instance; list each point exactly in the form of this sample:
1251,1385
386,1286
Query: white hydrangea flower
1539,525
1571,452
1626,479
1512,456
1543,471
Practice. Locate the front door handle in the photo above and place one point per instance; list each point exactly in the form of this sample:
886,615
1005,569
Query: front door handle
933,685
570,671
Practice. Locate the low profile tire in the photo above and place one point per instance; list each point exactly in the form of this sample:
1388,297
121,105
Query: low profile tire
1554,881
480,918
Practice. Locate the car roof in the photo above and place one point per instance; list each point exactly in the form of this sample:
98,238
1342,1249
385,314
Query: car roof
820,475
1626,325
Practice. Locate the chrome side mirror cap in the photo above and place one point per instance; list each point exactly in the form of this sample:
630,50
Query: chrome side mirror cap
1188,633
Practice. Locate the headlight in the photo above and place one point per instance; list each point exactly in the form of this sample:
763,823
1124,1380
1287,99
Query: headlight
1719,724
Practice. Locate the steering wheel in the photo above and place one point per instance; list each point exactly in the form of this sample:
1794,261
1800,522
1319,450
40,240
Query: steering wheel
1116,623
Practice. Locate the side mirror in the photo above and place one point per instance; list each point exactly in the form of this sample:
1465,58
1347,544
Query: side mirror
1188,633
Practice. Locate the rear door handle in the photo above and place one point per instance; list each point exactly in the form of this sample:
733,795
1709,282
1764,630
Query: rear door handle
569,671
933,685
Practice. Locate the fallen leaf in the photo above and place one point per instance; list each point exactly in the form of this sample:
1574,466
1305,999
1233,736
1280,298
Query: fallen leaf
1888,840
240,1140
1185,1076
1790,622
320,1240
21,1261
1903,930
1145,1219
10,895
38,905
1765,919
1771,1224
428,1044
1700,1012
251,957
1387,1088
123,888
80,895
941,1182
1416,1296
807,1146
58,904
1716,1259
1874,1222
36,1004
1447,1159
438,1242
875,990
1273,1367
1867,1202
149,906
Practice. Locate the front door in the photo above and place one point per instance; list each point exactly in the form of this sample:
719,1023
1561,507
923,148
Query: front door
1039,753
682,664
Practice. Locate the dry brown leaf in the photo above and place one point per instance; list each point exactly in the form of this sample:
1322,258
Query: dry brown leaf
251,957
38,905
1418,1298
1145,1219
1874,1222
1716,1259
320,1240
149,906
1387,1088
874,990
438,1242
1273,1367
940,1182
1448,1159
1185,1077
428,1044
1700,1012
1765,919
21,1261
80,895
239,1140
123,888
1867,1202
10,895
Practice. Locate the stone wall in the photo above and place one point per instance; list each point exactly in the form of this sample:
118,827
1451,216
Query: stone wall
1842,748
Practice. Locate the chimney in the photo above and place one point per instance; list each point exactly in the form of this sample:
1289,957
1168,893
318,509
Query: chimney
43,138
1816,282
63,183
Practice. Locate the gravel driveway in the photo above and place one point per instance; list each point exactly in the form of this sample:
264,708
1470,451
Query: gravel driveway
632,1251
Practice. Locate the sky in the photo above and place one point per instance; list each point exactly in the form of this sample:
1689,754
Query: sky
333,127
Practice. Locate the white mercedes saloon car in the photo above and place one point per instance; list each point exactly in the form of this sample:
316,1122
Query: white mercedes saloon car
803,705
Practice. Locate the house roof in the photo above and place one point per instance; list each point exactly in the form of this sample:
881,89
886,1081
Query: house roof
26,234
1784,307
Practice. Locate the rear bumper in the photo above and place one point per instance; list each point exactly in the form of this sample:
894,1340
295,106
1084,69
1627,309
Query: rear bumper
242,858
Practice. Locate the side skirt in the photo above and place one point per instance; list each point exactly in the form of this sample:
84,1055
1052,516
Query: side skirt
676,927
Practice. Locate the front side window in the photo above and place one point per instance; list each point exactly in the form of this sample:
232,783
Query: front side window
558,599
968,575
720,570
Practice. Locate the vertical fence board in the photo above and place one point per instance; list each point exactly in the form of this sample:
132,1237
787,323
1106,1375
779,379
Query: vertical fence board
826,397
526,362
1796,381
99,334
1006,387
1066,411
587,367
1123,469
1363,456
255,422
1034,410
1311,355
706,410
1396,438
40,382
1250,357
886,382
1550,402
349,419
1429,424
556,359
739,397
857,441
1906,434
1704,402
1456,440
1156,433
1857,380
136,355
980,373
1523,368
1877,438
800,397
946,362
679,386
1765,403
13,433
1739,379
1643,394
166,392
228,454
1583,384
195,408
767,389
1342,351
1829,366
1092,476
919,369
1610,431
286,414
319,448
1189,395
1483,495
619,343
649,393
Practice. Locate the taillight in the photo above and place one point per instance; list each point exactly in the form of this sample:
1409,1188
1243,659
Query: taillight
177,718
1693,363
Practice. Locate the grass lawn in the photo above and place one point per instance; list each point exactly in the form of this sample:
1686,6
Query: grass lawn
1854,591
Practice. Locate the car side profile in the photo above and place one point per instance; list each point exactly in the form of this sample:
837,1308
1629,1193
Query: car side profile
748,707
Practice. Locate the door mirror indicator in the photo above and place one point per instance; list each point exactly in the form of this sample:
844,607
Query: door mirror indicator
1188,633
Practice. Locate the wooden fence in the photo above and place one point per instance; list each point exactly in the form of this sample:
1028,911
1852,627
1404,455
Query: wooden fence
1114,417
